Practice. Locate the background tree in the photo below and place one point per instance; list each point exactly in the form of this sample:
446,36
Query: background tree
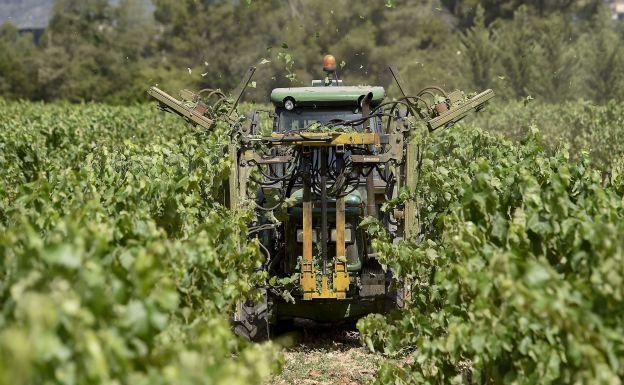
479,52
517,52
557,58
98,50
602,60
18,64
134,45
465,10
77,45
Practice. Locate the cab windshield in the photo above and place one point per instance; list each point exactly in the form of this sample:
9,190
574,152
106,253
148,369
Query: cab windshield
300,119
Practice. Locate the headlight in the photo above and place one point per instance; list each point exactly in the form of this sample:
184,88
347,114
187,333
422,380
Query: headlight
300,235
347,233
332,235
289,104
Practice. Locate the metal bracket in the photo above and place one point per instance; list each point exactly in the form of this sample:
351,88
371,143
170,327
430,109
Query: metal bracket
240,90
169,103
395,152
251,156
456,114
398,80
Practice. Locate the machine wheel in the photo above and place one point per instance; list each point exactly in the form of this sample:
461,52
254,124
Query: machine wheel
251,320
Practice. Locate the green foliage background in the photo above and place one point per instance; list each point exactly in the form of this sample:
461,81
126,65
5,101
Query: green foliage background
576,126
118,264
94,51
516,277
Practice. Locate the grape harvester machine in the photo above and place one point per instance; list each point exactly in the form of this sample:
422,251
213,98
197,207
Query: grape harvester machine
332,156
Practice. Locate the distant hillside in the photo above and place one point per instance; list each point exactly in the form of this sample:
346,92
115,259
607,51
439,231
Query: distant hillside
26,14
35,14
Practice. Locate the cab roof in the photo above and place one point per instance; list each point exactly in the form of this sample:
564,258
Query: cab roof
327,95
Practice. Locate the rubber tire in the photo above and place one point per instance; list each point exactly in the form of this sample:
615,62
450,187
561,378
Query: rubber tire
253,323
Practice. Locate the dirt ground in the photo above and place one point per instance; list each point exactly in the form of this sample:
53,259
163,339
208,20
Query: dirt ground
317,355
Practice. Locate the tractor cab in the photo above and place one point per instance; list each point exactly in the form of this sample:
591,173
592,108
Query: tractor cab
326,103
304,108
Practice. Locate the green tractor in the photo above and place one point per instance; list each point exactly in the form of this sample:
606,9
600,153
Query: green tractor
333,156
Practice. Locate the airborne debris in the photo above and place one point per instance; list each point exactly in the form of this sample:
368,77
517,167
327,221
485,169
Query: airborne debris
391,3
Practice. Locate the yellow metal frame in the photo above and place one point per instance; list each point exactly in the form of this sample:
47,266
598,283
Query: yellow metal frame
321,139
340,279
341,276
308,273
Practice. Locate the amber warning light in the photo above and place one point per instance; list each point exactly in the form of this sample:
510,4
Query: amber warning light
329,63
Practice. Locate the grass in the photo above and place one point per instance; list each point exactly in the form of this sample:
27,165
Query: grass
319,356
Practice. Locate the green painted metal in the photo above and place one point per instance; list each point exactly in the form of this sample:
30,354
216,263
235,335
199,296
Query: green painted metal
330,95
350,211
331,310
351,267
354,199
